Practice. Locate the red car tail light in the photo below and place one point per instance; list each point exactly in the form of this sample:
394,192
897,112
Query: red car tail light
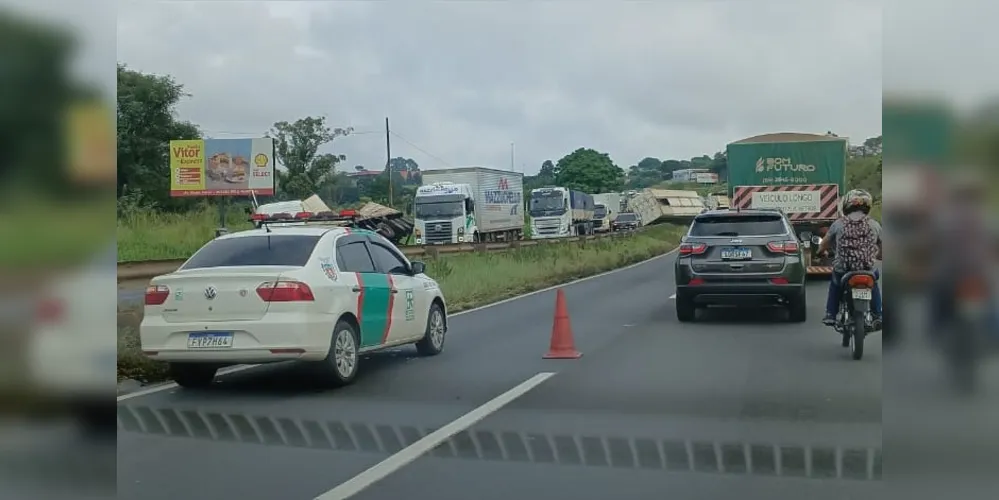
156,295
285,291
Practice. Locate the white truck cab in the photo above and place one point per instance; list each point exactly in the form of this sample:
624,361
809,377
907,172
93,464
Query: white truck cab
443,213
557,212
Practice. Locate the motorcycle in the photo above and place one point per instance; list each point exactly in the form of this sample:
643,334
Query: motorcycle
854,320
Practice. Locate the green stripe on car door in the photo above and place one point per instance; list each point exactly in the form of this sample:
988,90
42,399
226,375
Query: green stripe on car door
373,307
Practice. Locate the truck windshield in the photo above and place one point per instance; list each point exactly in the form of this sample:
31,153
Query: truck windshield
436,209
599,212
546,204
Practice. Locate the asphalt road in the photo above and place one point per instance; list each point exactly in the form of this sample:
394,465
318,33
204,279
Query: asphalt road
738,405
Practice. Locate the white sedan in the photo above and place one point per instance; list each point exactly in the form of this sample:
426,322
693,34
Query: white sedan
311,293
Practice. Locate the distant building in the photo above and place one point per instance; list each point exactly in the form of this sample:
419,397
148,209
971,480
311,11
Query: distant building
692,175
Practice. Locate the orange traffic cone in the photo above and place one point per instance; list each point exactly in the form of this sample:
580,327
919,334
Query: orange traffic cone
562,346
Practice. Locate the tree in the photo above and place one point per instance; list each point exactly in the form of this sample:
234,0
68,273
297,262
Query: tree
146,125
547,170
589,171
545,177
407,169
296,146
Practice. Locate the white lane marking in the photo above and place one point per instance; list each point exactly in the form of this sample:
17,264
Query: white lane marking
170,385
407,455
672,297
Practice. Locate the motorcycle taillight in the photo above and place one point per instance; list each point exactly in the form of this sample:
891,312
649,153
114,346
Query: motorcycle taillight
861,281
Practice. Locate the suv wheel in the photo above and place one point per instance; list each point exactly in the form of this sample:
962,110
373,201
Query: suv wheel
685,310
798,309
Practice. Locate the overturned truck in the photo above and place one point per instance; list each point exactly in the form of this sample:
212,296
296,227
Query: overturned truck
386,221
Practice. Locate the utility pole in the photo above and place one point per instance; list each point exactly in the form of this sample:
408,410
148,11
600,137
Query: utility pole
388,158
512,168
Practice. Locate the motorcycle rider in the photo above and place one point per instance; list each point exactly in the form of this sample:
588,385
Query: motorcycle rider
856,207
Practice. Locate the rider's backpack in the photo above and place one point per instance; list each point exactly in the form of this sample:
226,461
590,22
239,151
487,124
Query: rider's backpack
857,245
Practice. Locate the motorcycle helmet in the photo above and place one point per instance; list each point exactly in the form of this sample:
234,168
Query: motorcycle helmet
857,199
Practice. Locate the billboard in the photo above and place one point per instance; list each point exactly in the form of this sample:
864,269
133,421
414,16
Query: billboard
706,178
222,167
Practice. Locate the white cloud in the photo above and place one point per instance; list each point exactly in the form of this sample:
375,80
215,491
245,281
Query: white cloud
463,80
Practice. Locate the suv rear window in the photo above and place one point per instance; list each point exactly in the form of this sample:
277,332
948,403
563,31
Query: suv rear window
738,225
263,250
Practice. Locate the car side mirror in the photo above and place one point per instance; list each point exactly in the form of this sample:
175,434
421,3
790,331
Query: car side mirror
417,267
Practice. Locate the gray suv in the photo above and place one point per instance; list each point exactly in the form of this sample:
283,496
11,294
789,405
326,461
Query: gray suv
745,258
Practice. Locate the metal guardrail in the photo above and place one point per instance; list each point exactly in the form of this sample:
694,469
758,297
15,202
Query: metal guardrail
630,452
147,269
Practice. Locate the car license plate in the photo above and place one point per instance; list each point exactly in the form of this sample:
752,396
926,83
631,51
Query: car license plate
861,293
209,340
736,254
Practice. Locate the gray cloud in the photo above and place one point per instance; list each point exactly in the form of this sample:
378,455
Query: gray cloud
463,80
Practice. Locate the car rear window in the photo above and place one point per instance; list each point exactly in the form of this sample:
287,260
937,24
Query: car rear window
738,225
626,217
263,250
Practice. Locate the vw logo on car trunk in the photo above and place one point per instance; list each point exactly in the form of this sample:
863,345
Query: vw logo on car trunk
211,293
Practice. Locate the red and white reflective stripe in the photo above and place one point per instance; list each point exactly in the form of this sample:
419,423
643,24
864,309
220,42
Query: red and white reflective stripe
829,205
819,270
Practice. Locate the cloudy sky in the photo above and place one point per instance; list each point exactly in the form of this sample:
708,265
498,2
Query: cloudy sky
462,80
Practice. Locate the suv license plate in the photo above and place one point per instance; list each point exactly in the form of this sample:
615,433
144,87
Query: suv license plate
736,254
861,293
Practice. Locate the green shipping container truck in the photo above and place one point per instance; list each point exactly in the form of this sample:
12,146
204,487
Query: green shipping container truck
803,175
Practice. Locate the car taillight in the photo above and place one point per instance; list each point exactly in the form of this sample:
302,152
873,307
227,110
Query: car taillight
285,291
49,310
790,247
156,295
861,281
696,281
693,248
779,281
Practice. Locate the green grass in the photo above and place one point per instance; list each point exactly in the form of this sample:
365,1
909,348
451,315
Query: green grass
472,279
150,235
44,233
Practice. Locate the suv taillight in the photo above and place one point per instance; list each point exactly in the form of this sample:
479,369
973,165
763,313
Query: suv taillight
693,248
285,291
156,295
789,247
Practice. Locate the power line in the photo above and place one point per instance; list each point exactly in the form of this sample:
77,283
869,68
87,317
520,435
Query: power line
414,146
259,134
